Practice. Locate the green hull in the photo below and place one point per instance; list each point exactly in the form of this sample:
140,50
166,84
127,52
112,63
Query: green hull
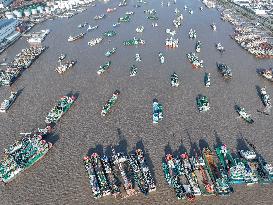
7,179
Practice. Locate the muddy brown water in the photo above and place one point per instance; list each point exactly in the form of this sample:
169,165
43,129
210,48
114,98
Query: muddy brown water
60,177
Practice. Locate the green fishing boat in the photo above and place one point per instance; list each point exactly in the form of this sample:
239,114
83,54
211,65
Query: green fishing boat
133,42
110,103
109,33
104,67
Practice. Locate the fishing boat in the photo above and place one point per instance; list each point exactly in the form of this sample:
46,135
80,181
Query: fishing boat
145,170
124,19
113,181
177,22
80,26
255,166
234,169
110,10
62,106
120,161
207,79
201,8
74,38
225,70
161,57
5,105
110,103
202,103
109,33
198,46
192,34
219,47
157,112
24,153
66,66
154,25
171,176
171,42
242,113
152,17
266,73
110,52
61,57
221,185
190,11
137,58
95,41
100,174
189,175
133,70
90,28
98,17
171,32
129,13
140,29
104,68
202,176
92,177
194,60
265,98
134,41
174,80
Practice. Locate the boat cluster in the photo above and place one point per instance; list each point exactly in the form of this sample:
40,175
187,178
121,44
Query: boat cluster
212,173
120,175
21,62
253,42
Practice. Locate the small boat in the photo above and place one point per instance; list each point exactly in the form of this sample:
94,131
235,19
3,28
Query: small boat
116,25
225,70
198,46
129,13
104,67
207,79
135,41
174,80
185,7
171,43
61,57
247,154
110,10
137,58
154,25
90,28
219,47
5,105
73,38
171,32
161,57
110,103
241,111
191,11
213,26
98,17
62,106
201,8
266,73
202,103
80,26
152,17
124,19
265,98
140,29
94,41
194,60
157,112
109,33
192,34
110,52
66,66
133,71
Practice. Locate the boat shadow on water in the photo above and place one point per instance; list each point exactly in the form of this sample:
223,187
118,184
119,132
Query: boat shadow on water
218,141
